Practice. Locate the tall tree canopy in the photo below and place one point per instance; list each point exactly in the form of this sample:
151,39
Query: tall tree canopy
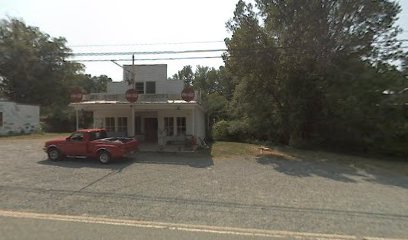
92,84
186,74
34,70
33,65
307,67
215,86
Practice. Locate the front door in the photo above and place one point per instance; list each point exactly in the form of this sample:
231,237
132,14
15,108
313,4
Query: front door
150,129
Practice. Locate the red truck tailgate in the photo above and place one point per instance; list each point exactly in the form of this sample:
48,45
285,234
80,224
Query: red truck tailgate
131,145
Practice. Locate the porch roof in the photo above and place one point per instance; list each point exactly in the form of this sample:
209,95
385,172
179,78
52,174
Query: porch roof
157,105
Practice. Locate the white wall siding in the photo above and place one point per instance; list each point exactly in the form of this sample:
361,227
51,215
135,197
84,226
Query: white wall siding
170,87
100,115
19,118
199,117
117,87
187,113
163,87
147,73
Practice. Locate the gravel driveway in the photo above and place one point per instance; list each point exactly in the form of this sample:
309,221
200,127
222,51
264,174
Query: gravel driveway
262,193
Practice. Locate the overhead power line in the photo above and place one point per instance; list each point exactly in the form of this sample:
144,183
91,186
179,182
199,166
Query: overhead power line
79,54
147,52
142,44
168,43
243,52
143,59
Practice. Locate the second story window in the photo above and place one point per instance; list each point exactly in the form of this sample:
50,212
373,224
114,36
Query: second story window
140,87
150,87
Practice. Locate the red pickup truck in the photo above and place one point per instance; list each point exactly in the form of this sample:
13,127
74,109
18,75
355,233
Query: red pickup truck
91,143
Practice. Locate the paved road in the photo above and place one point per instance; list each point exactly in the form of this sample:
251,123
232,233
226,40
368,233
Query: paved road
246,193
17,228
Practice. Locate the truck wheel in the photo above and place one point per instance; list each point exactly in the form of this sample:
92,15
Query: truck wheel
104,157
54,154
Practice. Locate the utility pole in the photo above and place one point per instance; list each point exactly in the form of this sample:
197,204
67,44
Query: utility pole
133,71
134,87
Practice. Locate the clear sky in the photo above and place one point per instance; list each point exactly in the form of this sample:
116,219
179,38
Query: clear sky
127,25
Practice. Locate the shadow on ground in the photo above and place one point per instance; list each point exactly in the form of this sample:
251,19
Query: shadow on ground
194,159
117,165
342,168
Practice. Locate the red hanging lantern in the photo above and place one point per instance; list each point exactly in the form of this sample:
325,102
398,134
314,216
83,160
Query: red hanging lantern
131,95
188,94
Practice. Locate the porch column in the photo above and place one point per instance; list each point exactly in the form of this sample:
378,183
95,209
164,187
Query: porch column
132,121
93,119
76,119
193,124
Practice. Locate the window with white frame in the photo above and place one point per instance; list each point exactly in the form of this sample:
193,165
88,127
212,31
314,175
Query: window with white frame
122,124
110,124
181,126
140,87
150,87
169,126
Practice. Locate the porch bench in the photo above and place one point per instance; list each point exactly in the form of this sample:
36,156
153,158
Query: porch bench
186,141
176,142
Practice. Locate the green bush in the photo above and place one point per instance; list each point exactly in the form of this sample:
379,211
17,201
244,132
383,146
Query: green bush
236,130
220,130
59,119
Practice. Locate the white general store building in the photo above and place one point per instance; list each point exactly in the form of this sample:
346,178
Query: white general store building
158,116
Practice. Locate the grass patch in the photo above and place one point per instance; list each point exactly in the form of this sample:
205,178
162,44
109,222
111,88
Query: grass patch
34,136
234,150
223,150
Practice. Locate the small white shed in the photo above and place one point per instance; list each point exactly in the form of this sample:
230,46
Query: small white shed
18,118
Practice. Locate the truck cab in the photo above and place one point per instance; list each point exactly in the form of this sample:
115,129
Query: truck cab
93,143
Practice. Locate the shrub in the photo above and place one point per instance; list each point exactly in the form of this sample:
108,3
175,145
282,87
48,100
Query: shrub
236,130
220,130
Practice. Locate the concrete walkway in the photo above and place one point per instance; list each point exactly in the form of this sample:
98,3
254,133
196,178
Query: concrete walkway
154,147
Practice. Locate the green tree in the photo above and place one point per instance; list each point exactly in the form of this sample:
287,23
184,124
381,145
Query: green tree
93,84
33,65
34,69
215,87
186,74
288,55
